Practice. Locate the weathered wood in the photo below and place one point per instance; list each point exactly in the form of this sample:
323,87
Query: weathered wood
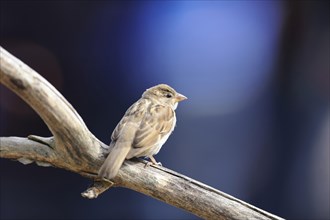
75,148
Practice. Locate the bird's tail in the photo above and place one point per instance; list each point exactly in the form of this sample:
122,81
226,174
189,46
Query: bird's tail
118,153
115,159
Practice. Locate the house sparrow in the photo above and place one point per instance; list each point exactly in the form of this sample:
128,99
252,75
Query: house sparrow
143,130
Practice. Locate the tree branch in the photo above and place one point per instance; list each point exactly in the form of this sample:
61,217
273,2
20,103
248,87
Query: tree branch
11,147
75,148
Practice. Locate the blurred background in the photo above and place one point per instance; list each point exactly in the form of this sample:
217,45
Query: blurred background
256,124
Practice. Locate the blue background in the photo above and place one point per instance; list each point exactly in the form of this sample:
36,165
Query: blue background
256,124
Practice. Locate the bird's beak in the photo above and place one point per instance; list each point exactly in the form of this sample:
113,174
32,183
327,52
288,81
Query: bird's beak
179,97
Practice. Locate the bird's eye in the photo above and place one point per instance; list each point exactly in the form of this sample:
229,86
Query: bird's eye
168,95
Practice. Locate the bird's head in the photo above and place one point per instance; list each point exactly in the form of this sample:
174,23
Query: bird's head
165,95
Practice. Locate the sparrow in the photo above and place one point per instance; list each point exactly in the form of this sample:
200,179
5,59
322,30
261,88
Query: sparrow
144,128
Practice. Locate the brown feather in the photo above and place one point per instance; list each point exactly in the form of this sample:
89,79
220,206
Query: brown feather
118,153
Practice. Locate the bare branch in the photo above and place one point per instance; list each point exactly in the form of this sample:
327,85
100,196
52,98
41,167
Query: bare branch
26,150
63,121
75,148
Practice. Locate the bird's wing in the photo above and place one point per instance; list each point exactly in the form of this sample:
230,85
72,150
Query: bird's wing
134,114
157,122
122,138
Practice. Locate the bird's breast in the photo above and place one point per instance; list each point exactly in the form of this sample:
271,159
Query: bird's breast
163,139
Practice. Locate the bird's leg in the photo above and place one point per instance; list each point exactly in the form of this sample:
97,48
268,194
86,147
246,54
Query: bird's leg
153,161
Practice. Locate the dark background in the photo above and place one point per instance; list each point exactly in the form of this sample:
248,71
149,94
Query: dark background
256,124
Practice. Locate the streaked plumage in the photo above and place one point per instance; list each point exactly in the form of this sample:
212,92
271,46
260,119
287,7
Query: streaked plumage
143,130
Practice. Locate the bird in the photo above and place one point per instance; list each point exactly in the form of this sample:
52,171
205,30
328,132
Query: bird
144,128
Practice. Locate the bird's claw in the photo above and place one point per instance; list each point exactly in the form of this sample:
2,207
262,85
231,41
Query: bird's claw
151,163
147,164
